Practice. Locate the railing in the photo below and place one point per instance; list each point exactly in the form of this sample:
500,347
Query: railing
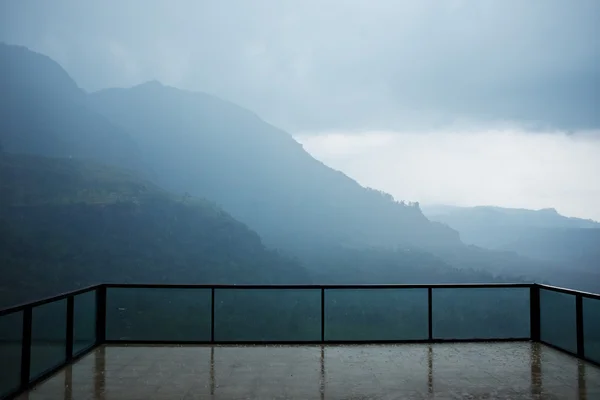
37,339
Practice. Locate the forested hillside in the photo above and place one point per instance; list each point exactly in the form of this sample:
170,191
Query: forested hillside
89,215
212,148
67,223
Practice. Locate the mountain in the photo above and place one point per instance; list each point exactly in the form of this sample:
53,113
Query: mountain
569,247
578,246
194,143
538,233
44,112
215,149
212,148
495,227
67,223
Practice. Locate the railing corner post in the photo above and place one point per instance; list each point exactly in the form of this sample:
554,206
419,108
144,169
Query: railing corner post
26,347
70,328
534,313
579,322
430,313
212,315
100,314
322,315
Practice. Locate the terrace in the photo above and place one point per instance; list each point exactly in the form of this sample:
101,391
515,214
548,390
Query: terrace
336,341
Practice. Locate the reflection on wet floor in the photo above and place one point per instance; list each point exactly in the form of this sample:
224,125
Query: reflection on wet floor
518,370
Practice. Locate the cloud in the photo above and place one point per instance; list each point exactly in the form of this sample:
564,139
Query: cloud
504,167
339,64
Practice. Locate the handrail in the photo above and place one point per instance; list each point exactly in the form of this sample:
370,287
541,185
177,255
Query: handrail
318,286
569,291
65,295
46,300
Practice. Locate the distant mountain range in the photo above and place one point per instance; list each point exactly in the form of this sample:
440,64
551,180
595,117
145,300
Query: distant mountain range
504,228
151,150
538,234
500,216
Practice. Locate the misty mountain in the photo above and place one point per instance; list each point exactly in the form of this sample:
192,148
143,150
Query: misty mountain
212,148
478,225
571,243
215,149
579,247
67,223
198,145
538,233
44,112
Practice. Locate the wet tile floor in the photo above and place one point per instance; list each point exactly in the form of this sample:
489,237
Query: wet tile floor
519,370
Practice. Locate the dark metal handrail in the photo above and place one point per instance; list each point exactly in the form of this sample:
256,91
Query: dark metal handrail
65,295
46,300
101,293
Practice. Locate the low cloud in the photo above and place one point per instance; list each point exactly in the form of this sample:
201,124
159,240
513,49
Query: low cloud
337,64
505,167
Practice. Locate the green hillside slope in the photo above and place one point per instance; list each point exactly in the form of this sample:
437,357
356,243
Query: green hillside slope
215,149
67,223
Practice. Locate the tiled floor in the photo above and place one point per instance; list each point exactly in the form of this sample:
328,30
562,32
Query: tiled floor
439,371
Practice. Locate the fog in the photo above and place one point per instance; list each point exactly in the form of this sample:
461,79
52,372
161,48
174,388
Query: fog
505,167
375,89
337,64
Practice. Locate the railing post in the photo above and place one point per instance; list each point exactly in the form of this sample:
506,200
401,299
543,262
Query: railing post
430,313
100,314
322,315
26,347
579,322
212,315
534,312
70,328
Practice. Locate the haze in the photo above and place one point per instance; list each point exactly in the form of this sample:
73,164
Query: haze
507,167
456,102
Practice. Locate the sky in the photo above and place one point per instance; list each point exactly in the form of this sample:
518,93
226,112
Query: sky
505,166
515,81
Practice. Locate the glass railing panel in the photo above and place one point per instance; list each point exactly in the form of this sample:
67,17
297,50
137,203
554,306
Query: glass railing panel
11,333
591,328
481,313
376,314
84,321
48,337
153,314
248,315
558,325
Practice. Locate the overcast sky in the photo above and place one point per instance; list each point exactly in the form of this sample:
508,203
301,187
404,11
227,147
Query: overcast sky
459,69
506,167
331,64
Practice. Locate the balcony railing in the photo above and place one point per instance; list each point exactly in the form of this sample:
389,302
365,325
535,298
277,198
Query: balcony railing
37,339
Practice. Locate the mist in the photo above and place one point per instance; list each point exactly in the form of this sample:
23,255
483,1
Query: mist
165,164
507,167
337,65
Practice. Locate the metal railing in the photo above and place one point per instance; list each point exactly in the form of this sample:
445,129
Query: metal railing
46,340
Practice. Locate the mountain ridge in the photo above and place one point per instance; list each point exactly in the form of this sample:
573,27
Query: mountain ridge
284,180
203,146
45,113
552,214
